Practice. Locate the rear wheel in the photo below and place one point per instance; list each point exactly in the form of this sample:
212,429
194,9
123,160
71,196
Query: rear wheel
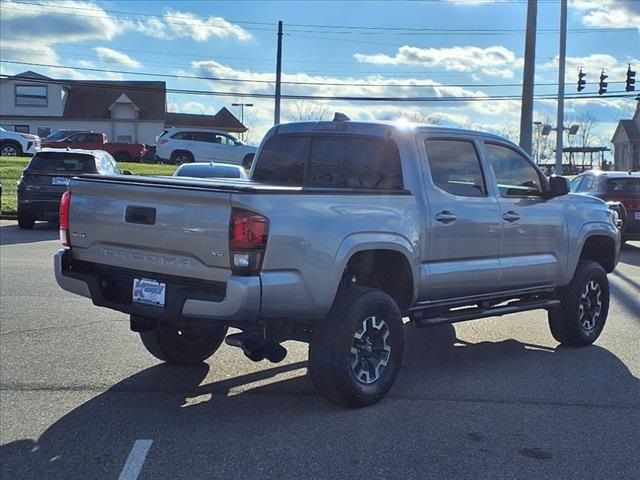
183,345
580,318
355,355
25,220
181,156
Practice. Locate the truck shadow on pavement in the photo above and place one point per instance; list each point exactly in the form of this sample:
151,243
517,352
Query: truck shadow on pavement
264,428
11,234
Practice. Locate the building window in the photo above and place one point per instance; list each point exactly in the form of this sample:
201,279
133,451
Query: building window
44,131
31,96
21,128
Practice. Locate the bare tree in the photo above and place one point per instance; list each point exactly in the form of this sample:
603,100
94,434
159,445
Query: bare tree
584,137
303,110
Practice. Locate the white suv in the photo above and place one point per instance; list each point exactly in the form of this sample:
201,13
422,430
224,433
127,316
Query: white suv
14,143
186,145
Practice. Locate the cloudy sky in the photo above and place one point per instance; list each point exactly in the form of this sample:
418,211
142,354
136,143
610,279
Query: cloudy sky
443,49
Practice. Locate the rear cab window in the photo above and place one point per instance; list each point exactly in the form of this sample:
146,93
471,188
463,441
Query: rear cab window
62,162
330,161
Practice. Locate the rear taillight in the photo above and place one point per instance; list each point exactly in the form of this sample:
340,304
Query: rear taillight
161,142
248,233
65,202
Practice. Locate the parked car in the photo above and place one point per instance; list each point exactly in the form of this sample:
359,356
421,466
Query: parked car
185,145
89,140
46,177
15,143
210,170
344,229
616,188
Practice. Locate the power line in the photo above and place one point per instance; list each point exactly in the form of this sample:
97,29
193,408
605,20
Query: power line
113,85
289,82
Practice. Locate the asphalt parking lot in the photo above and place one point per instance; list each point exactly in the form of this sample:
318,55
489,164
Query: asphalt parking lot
494,398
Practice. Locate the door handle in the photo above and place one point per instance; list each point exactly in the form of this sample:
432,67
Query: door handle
511,216
446,217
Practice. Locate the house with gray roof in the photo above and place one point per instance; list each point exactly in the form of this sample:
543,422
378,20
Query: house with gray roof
126,111
626,143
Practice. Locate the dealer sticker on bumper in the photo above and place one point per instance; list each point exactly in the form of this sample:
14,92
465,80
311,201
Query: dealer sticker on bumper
148,291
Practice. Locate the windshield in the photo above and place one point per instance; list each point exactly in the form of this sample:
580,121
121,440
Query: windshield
628,186
62,162
58,134
209,171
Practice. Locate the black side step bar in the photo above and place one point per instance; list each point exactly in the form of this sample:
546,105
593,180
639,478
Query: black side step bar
437,316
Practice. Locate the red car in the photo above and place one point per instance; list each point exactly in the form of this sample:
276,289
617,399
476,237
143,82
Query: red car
623,187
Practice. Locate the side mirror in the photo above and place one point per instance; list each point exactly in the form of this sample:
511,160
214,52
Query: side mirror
127,172
558,186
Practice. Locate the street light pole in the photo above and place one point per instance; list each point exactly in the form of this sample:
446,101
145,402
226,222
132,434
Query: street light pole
242,105
526,109
561,61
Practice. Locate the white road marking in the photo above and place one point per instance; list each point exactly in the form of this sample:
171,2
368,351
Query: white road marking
134,463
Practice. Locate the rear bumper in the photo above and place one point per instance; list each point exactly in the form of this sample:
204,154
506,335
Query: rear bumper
236,302
40,209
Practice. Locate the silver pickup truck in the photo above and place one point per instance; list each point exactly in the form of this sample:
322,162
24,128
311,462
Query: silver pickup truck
344,229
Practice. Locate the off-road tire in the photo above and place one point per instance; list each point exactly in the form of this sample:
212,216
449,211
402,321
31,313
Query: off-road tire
581,316
189,346
25,220
331,357
178,157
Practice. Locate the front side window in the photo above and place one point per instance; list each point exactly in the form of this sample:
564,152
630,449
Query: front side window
455,167
516,176
31,96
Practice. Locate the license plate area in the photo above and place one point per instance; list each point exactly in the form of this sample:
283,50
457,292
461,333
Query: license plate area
149,292
60,181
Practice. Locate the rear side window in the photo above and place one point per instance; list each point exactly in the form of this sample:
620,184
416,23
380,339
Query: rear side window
183,136
624,185
331,162
455,167
62,162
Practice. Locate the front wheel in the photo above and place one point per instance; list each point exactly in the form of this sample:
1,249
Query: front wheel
185,344
582,314
355,355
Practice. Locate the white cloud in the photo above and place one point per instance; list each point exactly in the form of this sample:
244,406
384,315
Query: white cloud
109,55
174,24
495,61
609,13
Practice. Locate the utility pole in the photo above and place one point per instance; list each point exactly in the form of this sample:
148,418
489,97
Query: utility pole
526,110
561,61
242,105
276,115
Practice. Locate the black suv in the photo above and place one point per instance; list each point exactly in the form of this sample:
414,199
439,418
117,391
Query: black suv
45,180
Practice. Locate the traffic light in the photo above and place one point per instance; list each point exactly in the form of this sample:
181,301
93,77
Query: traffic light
631,80
581,80
603,84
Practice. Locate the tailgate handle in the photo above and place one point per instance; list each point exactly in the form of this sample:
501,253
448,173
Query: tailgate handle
143,215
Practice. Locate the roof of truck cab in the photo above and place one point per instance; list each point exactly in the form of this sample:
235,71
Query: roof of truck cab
379,128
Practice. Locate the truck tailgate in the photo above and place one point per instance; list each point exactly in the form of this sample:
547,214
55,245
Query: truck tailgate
166,228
